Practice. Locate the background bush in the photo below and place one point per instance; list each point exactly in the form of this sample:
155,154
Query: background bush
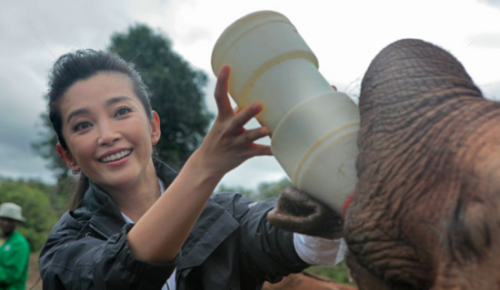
33,197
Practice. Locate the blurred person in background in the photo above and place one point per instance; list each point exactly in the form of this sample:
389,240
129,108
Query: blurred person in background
14,249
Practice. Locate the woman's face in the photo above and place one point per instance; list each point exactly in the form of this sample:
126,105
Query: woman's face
108,133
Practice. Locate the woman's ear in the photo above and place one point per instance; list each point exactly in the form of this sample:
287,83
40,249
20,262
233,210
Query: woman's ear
68,159
155,128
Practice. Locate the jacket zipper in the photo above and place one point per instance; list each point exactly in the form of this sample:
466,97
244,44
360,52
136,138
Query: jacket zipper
99,231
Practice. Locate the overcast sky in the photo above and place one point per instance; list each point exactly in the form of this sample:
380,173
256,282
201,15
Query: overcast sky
345,35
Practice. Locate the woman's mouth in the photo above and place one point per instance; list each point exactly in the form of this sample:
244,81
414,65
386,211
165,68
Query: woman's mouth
116,156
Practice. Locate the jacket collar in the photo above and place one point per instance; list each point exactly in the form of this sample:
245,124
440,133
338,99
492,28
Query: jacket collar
12,236
102,211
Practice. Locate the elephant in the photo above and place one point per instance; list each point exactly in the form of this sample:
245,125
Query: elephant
425,212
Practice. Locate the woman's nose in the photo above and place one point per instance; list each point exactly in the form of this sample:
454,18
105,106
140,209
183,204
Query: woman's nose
108,134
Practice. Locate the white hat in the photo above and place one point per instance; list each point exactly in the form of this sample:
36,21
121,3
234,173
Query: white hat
11,211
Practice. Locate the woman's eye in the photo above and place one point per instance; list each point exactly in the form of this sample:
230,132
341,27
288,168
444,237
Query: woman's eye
122,111
82,126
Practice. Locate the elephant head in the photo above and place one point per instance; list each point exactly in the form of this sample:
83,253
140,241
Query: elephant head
425,213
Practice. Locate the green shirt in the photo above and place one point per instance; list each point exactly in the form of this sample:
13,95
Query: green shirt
14,262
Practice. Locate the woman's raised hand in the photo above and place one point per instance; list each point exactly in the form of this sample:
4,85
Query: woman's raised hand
228,144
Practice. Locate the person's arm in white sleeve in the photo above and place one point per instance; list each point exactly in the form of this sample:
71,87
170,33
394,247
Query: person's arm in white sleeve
319,251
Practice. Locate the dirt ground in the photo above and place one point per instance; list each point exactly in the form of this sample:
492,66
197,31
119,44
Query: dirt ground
34,283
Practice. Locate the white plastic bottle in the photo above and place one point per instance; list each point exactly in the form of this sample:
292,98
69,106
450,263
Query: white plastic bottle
314,128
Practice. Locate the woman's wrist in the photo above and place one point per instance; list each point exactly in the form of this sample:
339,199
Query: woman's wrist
199,165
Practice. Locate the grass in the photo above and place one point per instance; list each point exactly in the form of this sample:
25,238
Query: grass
339,273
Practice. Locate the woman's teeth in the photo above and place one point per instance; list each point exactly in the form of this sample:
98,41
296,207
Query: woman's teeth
116,156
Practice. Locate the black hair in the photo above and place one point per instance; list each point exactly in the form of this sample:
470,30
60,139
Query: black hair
81,65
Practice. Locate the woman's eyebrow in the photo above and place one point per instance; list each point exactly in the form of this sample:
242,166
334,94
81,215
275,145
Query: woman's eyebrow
76,113
116,100
108,103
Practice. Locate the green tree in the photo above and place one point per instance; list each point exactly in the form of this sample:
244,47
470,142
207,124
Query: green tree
33,197
224,188
176,94
175,91
46,148
267,190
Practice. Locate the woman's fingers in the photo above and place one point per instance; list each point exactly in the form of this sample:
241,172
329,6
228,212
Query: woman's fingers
221,98
252,135
260,150
243,116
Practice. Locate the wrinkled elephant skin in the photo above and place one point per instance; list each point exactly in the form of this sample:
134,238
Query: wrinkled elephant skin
426,212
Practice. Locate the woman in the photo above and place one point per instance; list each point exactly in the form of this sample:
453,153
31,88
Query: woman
134,222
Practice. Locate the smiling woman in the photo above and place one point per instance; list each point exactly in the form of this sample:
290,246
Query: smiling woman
105,127
134,222
78,68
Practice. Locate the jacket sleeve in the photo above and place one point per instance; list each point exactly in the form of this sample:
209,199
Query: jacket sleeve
14,263
91,263
265,251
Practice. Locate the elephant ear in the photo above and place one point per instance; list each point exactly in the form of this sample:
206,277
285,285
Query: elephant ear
297,212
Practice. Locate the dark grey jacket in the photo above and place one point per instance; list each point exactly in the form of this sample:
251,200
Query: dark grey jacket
232,246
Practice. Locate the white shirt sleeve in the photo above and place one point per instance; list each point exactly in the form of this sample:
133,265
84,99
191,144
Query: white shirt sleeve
319,251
